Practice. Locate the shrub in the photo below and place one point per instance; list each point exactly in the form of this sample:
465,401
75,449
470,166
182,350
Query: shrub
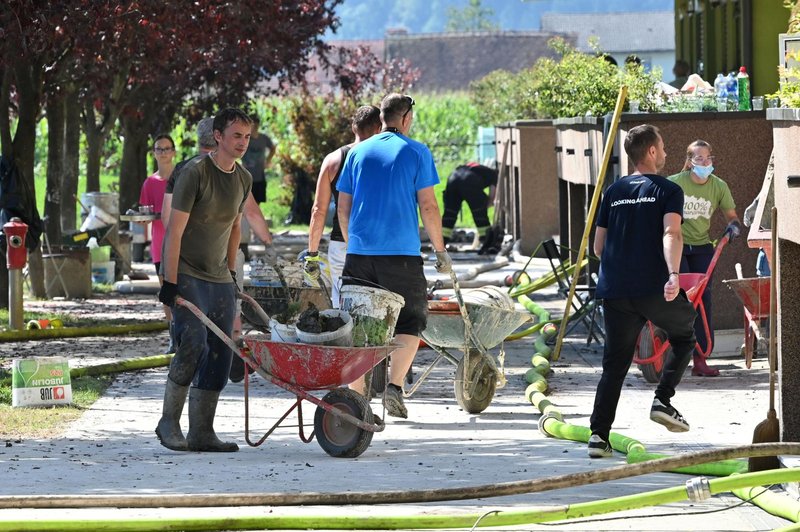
575,84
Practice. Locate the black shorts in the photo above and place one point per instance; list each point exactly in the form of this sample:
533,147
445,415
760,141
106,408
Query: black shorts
401,274
260,191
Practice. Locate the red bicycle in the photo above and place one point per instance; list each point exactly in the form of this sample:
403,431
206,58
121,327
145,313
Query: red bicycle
653,344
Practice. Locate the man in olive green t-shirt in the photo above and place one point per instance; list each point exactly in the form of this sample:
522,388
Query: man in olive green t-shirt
199,260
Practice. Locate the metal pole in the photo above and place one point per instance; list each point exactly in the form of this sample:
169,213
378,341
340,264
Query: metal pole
15,299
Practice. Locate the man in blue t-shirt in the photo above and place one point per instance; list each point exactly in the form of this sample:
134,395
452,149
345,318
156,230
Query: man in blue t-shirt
638,239
383,182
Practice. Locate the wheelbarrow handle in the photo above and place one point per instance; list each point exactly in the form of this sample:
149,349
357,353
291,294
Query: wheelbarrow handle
208,323
265,318
462,307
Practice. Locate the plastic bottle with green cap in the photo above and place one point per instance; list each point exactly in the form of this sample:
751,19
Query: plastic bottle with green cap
743,81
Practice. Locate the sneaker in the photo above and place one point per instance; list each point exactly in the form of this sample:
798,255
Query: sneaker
665,414
598,447
393,401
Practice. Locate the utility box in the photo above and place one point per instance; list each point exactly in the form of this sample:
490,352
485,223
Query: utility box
525,152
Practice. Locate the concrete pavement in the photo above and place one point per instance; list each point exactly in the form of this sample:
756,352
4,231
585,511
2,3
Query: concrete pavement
112,449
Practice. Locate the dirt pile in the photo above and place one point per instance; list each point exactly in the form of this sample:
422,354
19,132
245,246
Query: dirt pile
311,321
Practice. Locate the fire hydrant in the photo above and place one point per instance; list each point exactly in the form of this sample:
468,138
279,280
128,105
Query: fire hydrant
16,258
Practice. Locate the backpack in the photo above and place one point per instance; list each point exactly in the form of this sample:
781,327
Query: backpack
18,200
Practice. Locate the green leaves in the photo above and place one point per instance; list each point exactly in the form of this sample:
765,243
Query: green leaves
577,84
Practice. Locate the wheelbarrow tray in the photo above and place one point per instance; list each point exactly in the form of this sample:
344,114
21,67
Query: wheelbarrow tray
491,325
753,292
314,367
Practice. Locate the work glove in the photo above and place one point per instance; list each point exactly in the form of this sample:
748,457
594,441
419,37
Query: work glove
443,262
168,293
233,276
311,269
270,255
733,229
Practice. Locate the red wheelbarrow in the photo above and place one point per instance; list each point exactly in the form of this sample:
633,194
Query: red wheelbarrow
754,295
343,422
653,344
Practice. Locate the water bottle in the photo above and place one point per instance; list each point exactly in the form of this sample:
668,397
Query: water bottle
743,84
733,92
721,92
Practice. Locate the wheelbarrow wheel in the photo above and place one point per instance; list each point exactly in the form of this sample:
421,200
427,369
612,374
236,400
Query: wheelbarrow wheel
647,346
336,436
470,370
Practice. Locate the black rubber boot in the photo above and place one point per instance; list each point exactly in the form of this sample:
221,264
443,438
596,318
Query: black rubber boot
172,343
201,436
169,426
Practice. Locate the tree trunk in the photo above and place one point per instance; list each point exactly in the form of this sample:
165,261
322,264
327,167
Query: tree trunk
94,149
72,137
133,169
55,165
5,118
28,83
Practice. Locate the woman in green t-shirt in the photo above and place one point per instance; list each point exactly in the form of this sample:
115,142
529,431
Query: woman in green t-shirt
703,194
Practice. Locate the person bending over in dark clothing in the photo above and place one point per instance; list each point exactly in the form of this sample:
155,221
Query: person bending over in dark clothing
467,183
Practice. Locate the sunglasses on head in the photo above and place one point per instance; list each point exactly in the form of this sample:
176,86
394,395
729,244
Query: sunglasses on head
411,103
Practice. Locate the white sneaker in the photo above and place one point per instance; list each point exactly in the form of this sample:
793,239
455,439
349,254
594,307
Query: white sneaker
598,447
667,415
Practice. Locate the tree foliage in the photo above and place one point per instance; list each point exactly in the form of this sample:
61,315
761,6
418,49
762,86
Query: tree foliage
575,84
473,17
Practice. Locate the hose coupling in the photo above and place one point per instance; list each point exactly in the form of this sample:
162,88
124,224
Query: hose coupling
698,489
544,419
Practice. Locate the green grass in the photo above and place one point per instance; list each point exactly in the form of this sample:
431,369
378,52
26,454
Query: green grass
46,422
67,320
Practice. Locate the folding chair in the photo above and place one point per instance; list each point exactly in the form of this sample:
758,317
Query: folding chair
58,263
586,308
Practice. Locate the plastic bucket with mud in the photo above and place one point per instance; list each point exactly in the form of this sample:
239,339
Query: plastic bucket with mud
282,332
374,313
342,335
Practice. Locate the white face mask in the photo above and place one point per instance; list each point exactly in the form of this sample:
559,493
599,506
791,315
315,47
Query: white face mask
702,171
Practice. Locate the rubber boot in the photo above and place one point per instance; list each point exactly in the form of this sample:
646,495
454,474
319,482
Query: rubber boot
172,344
701,369
201,436
169,426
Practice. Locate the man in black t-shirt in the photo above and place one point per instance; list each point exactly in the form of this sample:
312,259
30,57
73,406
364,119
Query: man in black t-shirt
638,239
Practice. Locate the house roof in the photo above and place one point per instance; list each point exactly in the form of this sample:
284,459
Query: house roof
617,32
450,61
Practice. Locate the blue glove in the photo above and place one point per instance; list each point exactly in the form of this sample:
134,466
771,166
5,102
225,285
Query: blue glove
733,229
168,293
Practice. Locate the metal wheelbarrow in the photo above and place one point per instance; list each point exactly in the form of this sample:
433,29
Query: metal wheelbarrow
485,327
343,421
653,346
754,295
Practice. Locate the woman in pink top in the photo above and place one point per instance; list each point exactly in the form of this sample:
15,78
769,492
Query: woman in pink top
152,193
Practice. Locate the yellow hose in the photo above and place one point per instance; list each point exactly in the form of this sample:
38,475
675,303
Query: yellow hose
75,332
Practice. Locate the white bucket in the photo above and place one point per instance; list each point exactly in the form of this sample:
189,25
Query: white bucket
103,272
343,336
281,332
374,312
491,296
